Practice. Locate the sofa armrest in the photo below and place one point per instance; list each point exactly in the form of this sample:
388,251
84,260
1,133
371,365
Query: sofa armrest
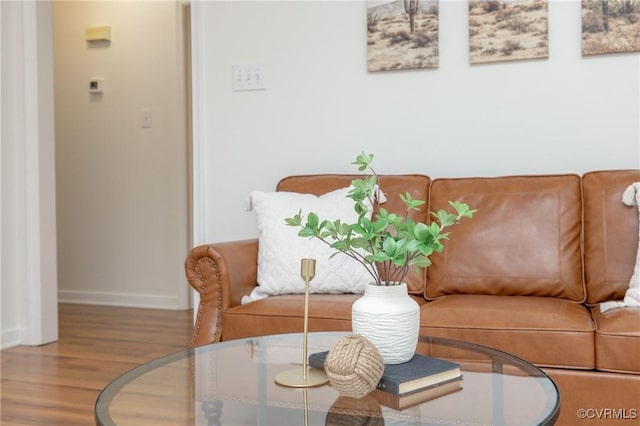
221,273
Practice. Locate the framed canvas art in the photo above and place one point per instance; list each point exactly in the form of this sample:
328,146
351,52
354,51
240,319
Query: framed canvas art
508,30
610,26
402,34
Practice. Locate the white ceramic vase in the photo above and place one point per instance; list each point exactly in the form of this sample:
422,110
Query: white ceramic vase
390,319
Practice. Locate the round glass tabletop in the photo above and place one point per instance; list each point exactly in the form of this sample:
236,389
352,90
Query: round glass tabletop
232,383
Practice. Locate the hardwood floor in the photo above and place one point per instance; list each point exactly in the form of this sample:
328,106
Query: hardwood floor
58,383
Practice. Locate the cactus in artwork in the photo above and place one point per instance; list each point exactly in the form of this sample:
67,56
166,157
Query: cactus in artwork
411,7
605,15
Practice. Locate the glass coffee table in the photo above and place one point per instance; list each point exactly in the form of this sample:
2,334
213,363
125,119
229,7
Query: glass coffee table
232,383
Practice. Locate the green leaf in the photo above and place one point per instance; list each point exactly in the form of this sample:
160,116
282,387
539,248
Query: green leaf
427,250
445,218
325,224
422,232
389,246
363,161
413,246
312,220
295,220
341,245
307,233
379,257
378,226
421,262
434,228
462,209
360,208
411,204
358,190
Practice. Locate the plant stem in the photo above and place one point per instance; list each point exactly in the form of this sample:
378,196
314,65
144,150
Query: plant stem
370,268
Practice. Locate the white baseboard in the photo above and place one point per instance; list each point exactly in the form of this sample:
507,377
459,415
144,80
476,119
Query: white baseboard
10,338
119,299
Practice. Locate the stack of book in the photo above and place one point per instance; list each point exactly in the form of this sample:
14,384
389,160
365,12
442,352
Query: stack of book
418,380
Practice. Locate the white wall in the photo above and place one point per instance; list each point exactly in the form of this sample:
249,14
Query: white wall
28,255
565,114
122,189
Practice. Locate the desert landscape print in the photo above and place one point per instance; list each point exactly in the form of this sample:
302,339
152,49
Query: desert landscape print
508,30
402,34
610,26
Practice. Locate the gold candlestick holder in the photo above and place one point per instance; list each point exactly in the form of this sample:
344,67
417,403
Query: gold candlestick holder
305,377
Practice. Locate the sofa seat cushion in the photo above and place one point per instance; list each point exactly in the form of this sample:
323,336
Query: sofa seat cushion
617,339
285,313
548,332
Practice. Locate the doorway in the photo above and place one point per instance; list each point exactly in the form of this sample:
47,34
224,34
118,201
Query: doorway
123,153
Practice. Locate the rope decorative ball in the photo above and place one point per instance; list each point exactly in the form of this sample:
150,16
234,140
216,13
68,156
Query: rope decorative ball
354,366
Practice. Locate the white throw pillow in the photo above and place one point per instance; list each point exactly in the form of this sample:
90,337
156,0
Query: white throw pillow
280,249
630,197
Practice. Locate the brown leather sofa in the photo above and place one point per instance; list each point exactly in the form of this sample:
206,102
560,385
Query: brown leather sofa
525,276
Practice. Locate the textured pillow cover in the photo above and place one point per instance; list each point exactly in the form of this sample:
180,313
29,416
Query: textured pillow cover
280,248
630,197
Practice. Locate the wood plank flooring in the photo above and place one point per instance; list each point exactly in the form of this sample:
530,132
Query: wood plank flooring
58,383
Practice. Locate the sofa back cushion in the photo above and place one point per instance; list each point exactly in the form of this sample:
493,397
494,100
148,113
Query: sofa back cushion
392,185
524,239
610,234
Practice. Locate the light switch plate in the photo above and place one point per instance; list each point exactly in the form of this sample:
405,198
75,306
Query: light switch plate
248,77
146,118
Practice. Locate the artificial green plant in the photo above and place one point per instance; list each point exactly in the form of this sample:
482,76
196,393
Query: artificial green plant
387,245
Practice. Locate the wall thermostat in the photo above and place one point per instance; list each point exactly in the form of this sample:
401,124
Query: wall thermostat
96,85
